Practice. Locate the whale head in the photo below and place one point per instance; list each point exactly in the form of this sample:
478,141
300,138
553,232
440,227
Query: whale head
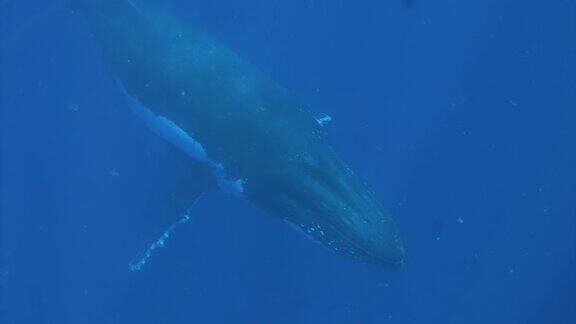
319,194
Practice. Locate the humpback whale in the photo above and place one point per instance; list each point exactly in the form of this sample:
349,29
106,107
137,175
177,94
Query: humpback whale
239,129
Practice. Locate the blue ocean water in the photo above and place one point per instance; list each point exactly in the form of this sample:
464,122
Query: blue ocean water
460,115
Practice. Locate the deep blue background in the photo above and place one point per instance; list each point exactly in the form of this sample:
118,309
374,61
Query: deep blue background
451,110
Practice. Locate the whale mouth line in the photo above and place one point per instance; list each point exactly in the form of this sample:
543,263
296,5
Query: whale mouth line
354,245
371,255
320,223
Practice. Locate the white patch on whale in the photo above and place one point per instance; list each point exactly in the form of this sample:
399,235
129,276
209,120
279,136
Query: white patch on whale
139,263
302,232
235,187
323,119
172,133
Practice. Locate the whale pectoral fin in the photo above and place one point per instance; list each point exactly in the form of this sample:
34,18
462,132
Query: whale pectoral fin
323,119
175,208
179,204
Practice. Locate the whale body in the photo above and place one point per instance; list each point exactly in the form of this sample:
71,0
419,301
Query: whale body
239,127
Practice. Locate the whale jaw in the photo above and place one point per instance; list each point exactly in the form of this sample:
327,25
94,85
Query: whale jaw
319,194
